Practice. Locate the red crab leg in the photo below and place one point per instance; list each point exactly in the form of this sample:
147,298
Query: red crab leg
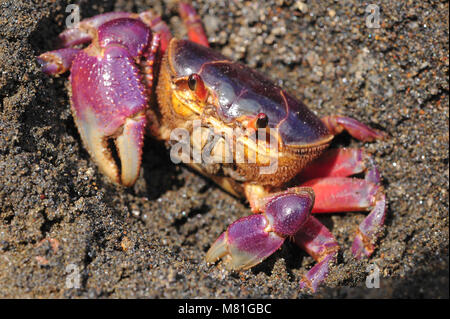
337,162
336,124
196,32
337,193
318,242
344,194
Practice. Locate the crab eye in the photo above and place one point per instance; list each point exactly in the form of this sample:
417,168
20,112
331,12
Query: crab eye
262,120
197,86
192,81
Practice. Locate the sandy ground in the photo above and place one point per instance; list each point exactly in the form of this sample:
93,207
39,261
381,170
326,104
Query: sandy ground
59,215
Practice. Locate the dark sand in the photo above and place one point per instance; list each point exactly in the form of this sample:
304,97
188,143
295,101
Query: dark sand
150,241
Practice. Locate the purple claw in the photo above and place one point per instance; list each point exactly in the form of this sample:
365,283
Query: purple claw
132,34
370,229
251,239
245,243
103,104
110,81
288,212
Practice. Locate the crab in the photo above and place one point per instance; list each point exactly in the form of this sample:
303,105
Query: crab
129,77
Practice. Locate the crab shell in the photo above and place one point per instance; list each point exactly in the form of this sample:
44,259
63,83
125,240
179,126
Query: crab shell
234,97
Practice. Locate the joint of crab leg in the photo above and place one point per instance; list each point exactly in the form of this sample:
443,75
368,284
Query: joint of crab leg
288,212
130,33
84,31
336,124
158,26
147,65
58,61
251,239
370,229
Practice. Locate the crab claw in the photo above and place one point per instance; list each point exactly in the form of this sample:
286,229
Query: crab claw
250,240
109,97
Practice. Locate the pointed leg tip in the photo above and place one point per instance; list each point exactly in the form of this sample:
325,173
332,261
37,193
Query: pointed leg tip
306,286
217,250
318,274
361,248
46,66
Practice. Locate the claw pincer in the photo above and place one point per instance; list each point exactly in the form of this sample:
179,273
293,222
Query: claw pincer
108,97
109,82
251,239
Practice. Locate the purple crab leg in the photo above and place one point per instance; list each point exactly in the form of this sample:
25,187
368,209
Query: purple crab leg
344,194
336,124
318,242
250,240
84,31
58,61
370,229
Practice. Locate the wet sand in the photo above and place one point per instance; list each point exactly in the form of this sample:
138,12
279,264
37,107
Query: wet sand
57,211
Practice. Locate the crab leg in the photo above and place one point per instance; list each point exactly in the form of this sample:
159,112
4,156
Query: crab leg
85,30
251,239
343,194
318,242
57,61
337,193
157,25
337,162
336,124
196,32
